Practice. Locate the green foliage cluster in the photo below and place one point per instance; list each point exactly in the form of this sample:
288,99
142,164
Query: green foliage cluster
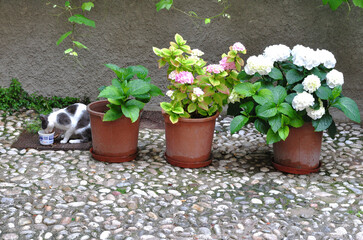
15,98
128,93
334,4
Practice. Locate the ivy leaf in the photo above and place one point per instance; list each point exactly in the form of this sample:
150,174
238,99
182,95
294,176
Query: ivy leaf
64,36
237,123
80,19
164,4
207,20
79,45
358,3
87,6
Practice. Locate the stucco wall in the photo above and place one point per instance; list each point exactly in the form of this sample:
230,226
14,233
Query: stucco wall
126,31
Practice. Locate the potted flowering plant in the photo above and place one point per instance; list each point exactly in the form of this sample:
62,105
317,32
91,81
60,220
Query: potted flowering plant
115,121
290,102
198,93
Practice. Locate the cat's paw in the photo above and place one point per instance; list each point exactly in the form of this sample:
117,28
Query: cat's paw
75,141
63,141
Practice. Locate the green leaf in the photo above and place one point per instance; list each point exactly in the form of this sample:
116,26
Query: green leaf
69,50
164,4
117,70
155,91
246,89
296,121
358,3
177,110
214,81
334,4
207,20
131,112
316,71
177,52
247,106
179,40
174,118
294,76
223,89
336,92
237,123
263,96
348,107
272,137
87,6
138,87
112,114
332,130
166,106
284,132
134,102
80,19
279,94
157,51
111,92
276,74
275,122
261,126
192,107
286,109
79,45
324,93
64,36
145,98
299,88
244,76
323,123
140,71
67,4
267,110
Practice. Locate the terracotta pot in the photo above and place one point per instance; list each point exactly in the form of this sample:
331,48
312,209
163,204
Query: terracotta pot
300,152
114,141
189,141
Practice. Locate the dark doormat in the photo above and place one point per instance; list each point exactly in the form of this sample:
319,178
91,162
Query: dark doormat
149,119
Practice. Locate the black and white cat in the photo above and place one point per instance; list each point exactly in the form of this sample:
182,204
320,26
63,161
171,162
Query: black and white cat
74,119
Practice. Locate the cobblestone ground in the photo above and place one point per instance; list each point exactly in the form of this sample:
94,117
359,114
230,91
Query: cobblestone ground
68,195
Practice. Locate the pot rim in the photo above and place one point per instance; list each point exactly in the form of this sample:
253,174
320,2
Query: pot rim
205,119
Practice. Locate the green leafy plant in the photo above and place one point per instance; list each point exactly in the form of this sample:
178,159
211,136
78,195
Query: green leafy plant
76,17
334,4
15,98
33,126
293,87
128,93
197,91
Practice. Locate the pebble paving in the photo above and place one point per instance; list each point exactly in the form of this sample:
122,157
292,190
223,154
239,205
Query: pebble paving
68,195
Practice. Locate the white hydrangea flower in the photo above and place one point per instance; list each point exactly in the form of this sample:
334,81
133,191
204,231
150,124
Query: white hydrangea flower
169,93
302,101
278,52
260,64
197,53
197,91
326,58
233,97
316,114
172,75
305,57
311,83
334,78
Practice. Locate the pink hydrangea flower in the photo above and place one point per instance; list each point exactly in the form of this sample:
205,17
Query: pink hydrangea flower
184,77
238,47
227,65
215,68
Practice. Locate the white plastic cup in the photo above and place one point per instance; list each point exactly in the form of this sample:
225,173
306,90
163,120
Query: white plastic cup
46,138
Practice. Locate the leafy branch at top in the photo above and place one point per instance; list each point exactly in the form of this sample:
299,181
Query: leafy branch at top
334,4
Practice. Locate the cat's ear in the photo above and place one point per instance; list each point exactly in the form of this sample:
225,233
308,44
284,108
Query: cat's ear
43,117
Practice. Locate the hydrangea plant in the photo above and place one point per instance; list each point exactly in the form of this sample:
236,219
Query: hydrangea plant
293,86
197,90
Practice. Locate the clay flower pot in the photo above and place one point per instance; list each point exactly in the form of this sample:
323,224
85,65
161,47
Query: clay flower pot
189,141
113,141
300,152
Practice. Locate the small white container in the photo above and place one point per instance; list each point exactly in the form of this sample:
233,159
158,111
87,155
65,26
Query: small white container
46,138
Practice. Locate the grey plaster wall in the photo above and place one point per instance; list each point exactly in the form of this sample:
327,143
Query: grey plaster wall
126,30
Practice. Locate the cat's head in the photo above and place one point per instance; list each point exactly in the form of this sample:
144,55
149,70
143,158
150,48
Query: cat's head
46,125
